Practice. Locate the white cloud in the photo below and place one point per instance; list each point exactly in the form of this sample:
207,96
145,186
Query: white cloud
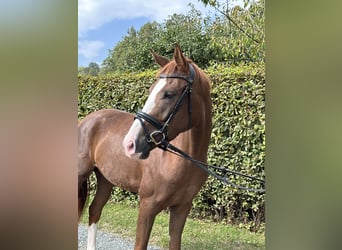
89,49
92,14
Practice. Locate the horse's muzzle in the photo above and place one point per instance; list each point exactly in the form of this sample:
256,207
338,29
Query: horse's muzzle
138,149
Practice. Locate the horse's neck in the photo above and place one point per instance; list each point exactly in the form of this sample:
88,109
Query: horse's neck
194,142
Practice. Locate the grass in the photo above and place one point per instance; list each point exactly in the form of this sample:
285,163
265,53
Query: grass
198,234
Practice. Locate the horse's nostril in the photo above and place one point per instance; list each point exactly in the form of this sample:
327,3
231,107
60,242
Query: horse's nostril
130,147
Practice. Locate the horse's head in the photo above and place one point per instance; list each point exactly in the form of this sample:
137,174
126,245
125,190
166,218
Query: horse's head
167,111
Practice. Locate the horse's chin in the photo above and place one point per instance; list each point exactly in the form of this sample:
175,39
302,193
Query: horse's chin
144,149
144,155
140,155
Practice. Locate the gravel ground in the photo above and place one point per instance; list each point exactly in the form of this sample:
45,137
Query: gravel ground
105,240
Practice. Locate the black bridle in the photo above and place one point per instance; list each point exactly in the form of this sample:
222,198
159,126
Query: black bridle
160,139
160,134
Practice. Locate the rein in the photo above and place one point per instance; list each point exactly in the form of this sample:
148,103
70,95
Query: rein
160,139
167,146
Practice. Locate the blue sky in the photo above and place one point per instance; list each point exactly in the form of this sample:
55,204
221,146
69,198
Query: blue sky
103,23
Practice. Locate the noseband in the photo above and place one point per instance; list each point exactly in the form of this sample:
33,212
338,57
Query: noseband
159,135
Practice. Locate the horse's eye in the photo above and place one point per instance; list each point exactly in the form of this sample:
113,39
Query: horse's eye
168,95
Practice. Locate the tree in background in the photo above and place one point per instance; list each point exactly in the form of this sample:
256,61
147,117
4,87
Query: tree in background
190,32
237,34
132,52
233,36
93,69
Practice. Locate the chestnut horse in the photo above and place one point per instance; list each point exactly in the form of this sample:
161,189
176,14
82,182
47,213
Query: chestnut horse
123,150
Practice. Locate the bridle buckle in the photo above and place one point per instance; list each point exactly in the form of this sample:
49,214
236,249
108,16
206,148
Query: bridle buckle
157,137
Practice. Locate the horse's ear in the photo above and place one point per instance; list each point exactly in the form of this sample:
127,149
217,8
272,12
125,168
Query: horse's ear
160,60
180,58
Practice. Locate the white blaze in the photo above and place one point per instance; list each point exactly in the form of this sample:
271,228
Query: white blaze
134,130
151,100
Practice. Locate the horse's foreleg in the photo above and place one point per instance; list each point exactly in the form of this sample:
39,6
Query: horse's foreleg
102,195
178,216
91,244
147,213
84,170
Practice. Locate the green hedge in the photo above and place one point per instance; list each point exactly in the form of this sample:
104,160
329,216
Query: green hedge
237,141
